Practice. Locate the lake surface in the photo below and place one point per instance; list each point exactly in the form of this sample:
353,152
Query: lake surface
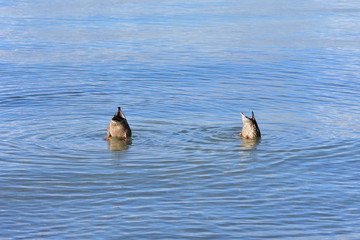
181,72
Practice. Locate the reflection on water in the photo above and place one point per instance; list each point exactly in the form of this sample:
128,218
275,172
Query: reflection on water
117,144
249,144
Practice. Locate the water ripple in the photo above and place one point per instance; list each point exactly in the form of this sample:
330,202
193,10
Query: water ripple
181,72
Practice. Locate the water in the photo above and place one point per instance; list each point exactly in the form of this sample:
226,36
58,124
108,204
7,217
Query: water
181,72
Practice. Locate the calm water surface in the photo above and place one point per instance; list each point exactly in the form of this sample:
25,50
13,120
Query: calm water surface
181,72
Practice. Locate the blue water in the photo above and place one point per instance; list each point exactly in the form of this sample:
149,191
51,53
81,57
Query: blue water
181,72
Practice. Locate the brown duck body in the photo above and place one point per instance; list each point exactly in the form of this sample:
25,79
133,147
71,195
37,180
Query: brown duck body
250,128
118,126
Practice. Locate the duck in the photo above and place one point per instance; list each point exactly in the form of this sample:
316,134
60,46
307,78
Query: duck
118,126
250,128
